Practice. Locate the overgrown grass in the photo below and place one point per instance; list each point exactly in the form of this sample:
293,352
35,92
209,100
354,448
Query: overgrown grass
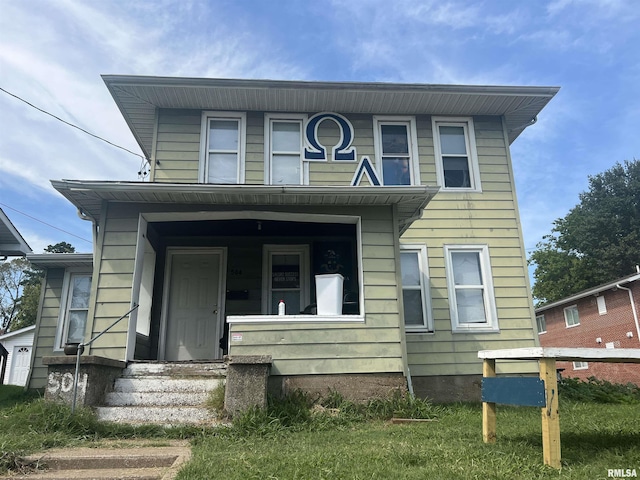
28,423
296,438
299,438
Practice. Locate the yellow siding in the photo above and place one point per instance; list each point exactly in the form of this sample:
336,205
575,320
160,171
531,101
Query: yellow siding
177,146
45,333
486,218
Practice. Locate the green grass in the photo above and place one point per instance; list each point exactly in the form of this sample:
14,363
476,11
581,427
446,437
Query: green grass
296,438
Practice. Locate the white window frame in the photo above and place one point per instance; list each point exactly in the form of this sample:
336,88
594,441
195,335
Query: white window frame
566,318
491,314
267,253
602,305
472,153
269,119
241,117
580,365
544,330
65,299
412,141
424,287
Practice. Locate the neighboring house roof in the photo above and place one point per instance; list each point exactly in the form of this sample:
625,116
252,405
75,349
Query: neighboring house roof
89,195
589,292
138,97
17,332
61,260
11,242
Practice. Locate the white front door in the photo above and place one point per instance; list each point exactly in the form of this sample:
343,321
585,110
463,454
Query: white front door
194,305
20,361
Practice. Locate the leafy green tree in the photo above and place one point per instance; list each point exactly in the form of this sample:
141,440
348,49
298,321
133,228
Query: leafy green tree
597,241
20,285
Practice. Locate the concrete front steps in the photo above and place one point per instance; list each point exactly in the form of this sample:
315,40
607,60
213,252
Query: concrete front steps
124,462
168,394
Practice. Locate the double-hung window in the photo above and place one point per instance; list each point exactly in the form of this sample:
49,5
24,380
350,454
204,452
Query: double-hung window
471,298
571,317
415,288
283,162
222,148
74,309
541,324
455,150
396,148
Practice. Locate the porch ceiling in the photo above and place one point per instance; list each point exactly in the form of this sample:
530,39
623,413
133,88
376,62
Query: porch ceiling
89,195
138,97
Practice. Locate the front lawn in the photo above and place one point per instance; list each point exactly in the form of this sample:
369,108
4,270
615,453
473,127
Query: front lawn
595,438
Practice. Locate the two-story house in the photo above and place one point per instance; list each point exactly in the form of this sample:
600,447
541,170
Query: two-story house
605,316
401,195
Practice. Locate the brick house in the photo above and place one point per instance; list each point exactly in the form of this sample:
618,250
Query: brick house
605,316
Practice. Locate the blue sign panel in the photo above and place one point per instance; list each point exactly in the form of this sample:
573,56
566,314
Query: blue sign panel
525,391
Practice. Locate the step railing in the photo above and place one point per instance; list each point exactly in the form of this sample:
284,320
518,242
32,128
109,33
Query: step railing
80,350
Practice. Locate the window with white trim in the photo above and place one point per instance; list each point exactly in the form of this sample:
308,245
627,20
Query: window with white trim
283,149
602,305
471,298
415,288
455,151
571,317
396,148
74,309
222,147
580,365
541,324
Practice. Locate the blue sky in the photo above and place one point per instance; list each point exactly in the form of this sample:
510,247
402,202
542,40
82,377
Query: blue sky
53,52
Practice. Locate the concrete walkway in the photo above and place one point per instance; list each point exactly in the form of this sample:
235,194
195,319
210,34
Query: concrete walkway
110,460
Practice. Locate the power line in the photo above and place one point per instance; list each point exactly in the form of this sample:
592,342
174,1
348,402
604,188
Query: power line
74,126
45,223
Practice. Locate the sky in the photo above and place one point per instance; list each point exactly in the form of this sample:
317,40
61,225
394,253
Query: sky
52,54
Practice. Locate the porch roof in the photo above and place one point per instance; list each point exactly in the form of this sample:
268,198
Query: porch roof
61,260
138,98
11,242
88,196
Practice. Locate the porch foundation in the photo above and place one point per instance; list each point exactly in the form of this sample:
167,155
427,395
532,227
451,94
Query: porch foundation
449,388
97,376
246,385
353,387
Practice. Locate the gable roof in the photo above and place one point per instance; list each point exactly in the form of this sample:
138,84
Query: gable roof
591,291
11,242
138,98
17,332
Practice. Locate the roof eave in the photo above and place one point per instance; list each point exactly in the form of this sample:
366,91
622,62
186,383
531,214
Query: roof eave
591,291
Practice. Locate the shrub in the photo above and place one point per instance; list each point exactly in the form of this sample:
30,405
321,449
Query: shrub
599,391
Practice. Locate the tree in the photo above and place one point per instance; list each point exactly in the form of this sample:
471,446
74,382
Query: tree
597,241
20,285
12,274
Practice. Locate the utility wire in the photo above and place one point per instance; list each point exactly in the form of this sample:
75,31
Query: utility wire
74,126
45,223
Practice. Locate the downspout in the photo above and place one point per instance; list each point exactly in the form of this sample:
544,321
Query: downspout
84,216
633,309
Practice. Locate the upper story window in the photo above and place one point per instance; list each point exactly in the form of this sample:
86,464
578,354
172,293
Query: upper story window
541,324
222,147
396,150
74,308
283,150
415,288
602,305
455,150
571,317
471,298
